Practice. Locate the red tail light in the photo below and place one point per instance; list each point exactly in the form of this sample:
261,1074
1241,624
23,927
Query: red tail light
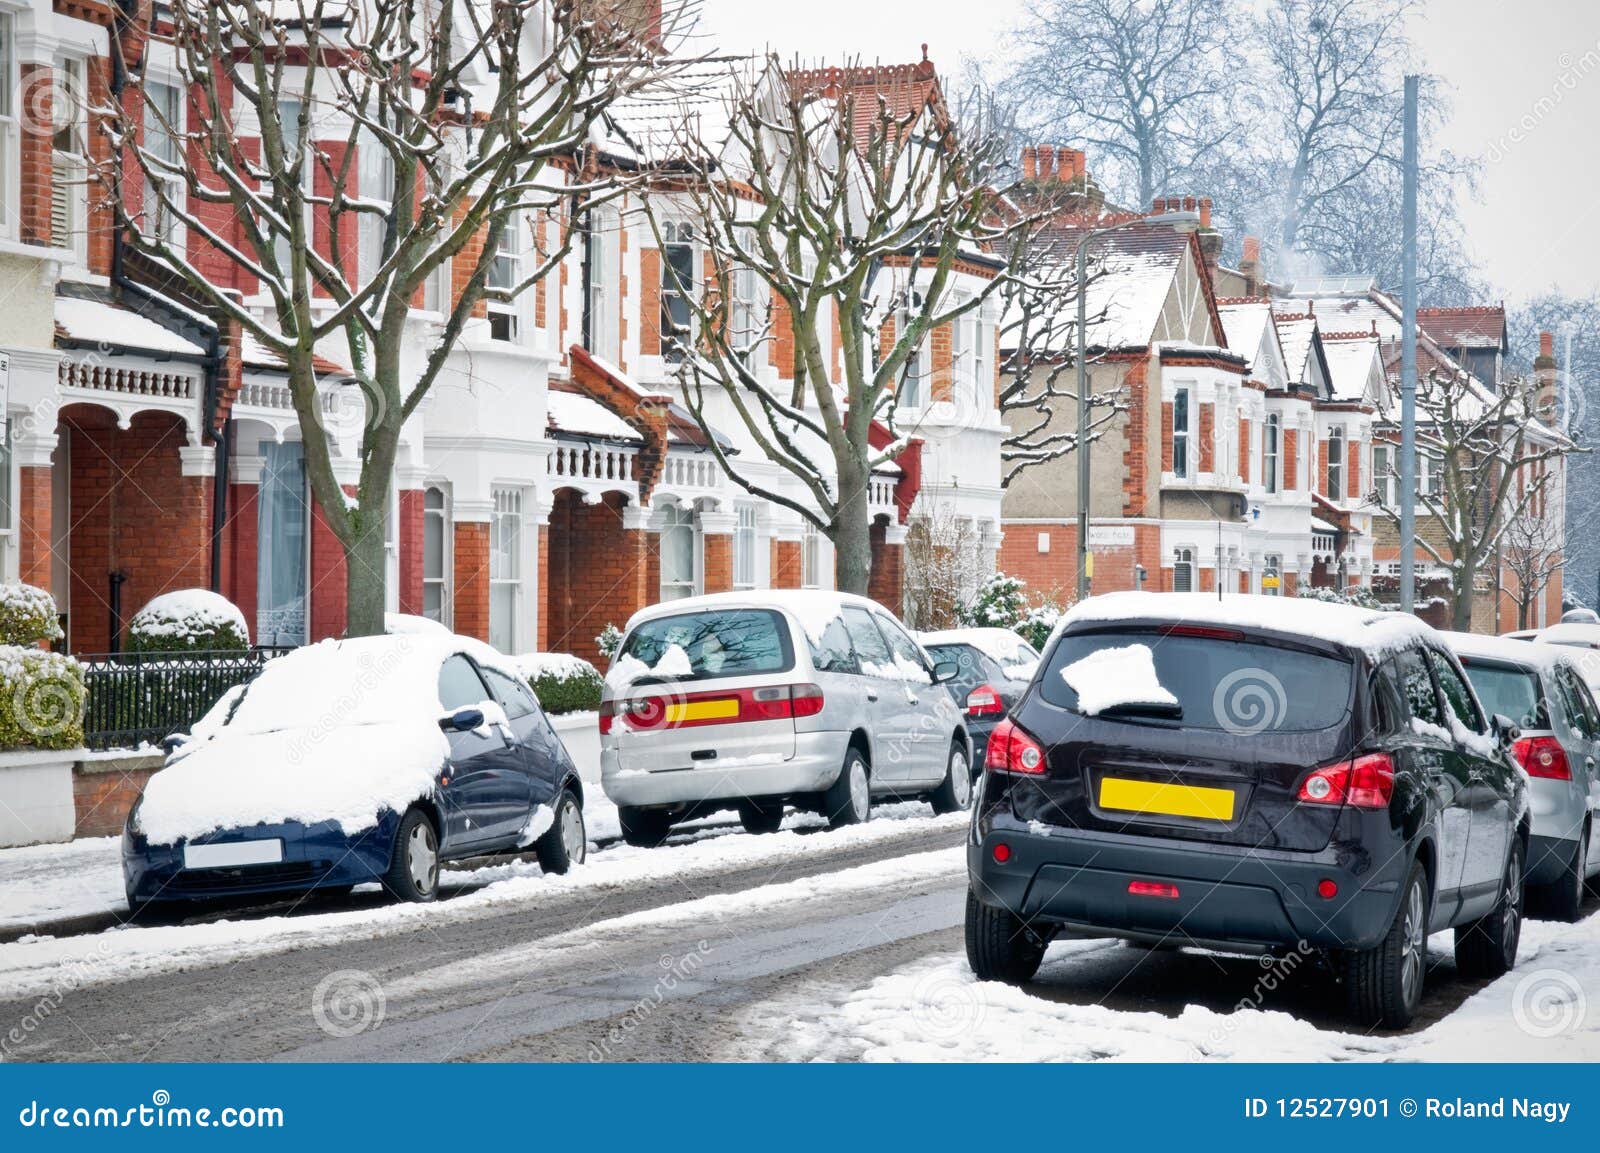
1011,750
1153,889
1542,757
984,701
1364,783
692,710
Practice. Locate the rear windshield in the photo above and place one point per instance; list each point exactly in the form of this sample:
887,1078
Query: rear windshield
1512,692
1242,686
724,643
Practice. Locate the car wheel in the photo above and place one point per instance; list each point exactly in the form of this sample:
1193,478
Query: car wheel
644,828
1488,946
955,791
999,946
414,864
565,842
1384,983
1564,898
848,801
761,818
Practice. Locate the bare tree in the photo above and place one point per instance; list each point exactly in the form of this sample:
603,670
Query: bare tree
417,133
944,566
1532,552
1038,335
1145,84
1487,464
838,207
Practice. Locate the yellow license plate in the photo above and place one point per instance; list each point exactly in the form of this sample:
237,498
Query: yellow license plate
1166,800
716,710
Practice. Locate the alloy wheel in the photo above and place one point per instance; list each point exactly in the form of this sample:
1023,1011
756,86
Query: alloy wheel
572,839
1414,945
422,855
960,779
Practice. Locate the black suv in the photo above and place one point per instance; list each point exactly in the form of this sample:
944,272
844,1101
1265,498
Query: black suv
1337,785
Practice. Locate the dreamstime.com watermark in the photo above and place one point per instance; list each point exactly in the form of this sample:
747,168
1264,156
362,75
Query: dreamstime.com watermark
1573,70
674,970
158,1113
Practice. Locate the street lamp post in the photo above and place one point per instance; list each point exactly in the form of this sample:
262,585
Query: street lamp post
1182,222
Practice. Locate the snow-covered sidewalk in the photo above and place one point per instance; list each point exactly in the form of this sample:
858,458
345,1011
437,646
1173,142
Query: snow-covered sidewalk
936,1010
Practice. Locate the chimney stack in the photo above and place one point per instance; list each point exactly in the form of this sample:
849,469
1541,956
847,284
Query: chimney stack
1210,239
1047,163
1030,163
1546,378
1250,265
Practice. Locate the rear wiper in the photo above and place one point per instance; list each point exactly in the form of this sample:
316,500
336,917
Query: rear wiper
1145,709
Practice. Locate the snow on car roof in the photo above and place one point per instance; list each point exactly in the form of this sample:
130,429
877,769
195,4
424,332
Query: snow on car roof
1571,633
1366,629
1507,649
1000,644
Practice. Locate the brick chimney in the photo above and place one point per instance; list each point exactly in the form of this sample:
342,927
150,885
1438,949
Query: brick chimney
1546,378
1047,163
1030,163
1250,265
1210,239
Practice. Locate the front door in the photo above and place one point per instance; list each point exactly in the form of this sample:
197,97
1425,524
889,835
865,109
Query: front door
892,754
487,799
282,535
1488,781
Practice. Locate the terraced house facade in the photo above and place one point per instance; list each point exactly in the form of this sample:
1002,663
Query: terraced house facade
552,482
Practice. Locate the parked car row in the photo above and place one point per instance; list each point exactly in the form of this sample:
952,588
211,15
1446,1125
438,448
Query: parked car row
1252,772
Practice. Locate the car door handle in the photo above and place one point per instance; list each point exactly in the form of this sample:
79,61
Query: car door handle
871,696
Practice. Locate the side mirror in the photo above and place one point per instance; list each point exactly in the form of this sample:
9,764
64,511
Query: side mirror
1505,729
945,671
172,742
463,720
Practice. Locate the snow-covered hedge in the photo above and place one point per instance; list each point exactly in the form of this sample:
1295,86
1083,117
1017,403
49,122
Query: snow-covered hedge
563,683
1003,603
189,620
27,615
41,699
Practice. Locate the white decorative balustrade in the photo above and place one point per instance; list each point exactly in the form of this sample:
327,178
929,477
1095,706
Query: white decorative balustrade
691,476
880,493
130,380
593,469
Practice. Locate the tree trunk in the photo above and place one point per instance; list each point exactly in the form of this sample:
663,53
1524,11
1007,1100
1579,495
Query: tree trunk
1461,600
852,534
366,565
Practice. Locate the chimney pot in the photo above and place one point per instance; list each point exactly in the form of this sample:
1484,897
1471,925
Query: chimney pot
1252,250
1030,163
1188,204
1047,162
1547,344
1205,212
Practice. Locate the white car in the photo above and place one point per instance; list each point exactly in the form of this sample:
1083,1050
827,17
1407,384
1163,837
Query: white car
755,700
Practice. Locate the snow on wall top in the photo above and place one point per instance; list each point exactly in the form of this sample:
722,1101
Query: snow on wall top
97,322
1365,629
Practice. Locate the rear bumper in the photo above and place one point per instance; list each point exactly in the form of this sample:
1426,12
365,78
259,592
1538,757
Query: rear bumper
1226,895
1548,858
815,765
314,856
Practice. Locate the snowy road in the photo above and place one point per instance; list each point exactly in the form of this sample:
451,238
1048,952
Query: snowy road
800,945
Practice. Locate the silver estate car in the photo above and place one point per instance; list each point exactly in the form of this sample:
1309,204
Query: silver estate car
755,700
1539,687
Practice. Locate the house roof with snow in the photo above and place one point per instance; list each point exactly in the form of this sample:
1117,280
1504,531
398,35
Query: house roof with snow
91,322
1248,325
1355,368
261,357
1476,326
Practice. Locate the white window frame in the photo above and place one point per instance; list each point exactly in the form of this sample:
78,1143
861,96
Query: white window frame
913,392
69,168
745,537
1182,462
602,275
10,129
1183,558
811,557
744,323
1338,465
443,582
982,346
505,272
1272,453
679,520
677,235
372,185
1385,479
170,230
507,517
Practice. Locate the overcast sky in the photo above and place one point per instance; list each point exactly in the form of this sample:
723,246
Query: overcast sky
1499,59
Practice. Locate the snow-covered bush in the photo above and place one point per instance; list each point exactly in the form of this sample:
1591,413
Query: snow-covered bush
562,682
1000,603
41,699
27,615
1039,622
609,641
189,620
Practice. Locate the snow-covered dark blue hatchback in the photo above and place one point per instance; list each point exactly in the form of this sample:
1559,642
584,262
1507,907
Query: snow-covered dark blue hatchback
356,761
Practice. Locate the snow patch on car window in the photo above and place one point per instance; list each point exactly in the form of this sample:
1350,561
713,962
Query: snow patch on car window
1428,729
673,662
1111,678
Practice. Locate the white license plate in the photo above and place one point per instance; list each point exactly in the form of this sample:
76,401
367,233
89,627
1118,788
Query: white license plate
232,854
